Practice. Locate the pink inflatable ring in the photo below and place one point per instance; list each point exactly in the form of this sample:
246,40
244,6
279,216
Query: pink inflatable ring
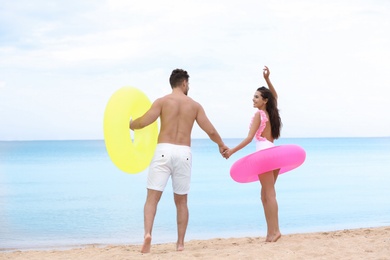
283,157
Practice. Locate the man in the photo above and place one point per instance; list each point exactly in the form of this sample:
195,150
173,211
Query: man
172,157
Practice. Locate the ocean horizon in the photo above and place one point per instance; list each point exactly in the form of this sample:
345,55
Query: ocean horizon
69,193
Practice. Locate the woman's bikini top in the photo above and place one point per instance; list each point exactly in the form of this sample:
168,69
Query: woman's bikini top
263,122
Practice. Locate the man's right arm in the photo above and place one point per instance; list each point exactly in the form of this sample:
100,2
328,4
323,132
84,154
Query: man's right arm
149,117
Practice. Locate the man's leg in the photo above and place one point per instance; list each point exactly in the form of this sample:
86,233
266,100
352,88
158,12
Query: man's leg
150,208
182,219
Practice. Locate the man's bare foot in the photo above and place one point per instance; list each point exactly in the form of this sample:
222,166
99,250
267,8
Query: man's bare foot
179,247
273,238
147,244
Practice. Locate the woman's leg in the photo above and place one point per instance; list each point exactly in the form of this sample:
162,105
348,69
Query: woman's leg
270,205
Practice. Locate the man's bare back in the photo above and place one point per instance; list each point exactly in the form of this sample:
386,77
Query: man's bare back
178,114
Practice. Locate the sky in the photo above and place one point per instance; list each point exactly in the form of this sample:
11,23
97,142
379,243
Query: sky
60,61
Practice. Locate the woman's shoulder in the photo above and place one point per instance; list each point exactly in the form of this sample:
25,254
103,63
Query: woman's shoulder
263,115
262,112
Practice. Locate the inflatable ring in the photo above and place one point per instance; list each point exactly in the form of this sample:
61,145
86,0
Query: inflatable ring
131,156
283,157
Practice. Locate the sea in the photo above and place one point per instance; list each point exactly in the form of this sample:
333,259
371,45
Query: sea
66,194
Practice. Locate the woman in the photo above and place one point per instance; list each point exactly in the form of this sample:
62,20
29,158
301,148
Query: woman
265,128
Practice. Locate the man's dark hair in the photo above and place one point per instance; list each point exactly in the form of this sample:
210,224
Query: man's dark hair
177,77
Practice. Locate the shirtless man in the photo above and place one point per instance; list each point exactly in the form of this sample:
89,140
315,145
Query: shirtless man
172,157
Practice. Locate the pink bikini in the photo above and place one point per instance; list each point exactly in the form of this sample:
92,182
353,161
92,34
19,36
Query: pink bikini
261,142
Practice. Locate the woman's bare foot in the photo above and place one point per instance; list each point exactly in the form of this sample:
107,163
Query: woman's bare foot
179,247
276,237
147,244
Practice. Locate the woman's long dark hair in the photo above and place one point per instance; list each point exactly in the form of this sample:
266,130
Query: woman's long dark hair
273,111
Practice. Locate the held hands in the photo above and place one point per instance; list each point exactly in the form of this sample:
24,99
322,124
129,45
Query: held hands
227,153
223,149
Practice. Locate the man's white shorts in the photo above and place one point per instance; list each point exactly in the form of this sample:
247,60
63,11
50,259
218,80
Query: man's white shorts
171,160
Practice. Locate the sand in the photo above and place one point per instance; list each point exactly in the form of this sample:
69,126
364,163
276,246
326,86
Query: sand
365,243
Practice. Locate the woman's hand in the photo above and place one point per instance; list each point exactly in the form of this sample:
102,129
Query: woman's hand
266,72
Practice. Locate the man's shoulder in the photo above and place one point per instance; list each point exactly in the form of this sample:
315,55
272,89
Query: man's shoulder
171,97
193,102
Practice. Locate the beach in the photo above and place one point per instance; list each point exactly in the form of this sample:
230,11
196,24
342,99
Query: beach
364,243
66,200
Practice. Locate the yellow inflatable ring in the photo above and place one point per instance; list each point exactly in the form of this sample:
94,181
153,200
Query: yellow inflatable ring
131,156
